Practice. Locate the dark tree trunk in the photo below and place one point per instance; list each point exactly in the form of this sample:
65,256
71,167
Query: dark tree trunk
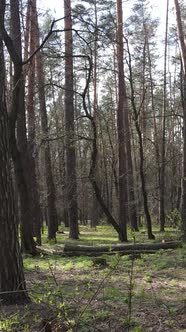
162,165
97,191
19,149
95,213
143,184
141,153
123,197
11,267
36,210
51,195
69,127
131,192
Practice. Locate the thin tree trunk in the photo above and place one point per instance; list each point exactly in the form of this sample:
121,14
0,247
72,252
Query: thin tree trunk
162,167
69,126
181,35
95,205
141,153
51,196
131,191
123,197
156,142
92,178
36,211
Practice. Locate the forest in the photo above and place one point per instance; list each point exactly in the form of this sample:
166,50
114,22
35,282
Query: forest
92,166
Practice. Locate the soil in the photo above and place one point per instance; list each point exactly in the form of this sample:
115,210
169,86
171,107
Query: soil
98,299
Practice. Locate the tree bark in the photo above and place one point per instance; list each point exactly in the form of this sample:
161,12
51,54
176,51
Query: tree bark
110,218
181,36
131,191
123,197
12,282
31,120
18,141
141,153
51,195
162,164
69,126
95,206
122,247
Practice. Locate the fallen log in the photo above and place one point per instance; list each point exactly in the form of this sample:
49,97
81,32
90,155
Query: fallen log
120,249
68,248
98,254
46,252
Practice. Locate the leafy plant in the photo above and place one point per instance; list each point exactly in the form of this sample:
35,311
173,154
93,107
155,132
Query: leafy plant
174,218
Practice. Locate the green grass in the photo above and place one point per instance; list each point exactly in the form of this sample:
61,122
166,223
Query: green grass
75,292
107,235
56,262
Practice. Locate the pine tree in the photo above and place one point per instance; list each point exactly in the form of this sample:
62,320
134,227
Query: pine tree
12,282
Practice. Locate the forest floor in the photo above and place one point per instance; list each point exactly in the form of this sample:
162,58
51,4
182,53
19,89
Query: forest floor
125,294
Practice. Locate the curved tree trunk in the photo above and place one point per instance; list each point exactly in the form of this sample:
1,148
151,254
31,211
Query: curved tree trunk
141,154
92,172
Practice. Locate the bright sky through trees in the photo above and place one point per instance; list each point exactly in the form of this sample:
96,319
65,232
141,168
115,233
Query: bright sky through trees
158,10
158,6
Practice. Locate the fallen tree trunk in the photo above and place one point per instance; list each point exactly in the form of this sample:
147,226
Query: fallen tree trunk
121,247
98,254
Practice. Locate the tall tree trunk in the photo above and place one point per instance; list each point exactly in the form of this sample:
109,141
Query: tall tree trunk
181,35
131,190
123,197
12,282
141,153
51,195
95,206
36,211
19,148
69,126
110,219
156,142
162,165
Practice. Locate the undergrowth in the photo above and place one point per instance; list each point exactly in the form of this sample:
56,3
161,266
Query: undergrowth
126,294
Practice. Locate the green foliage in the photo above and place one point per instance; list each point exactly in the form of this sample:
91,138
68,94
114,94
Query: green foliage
173,219
84,296
41,262
148,277
128,322
137,329
9,323
170,323
102,314
16,320
51,241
